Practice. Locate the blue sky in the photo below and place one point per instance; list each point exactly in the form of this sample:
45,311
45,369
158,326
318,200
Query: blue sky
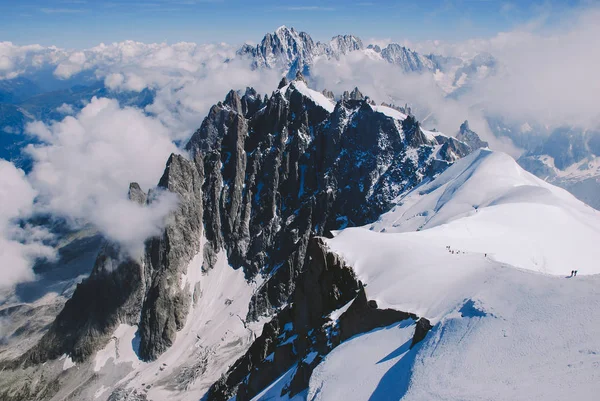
85,23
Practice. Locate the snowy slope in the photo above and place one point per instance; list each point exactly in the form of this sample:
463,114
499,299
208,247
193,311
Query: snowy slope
317,97
503,328
486,203
522,337
388,111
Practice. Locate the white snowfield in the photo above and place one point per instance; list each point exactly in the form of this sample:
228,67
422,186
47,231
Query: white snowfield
486,203
508,325
388,111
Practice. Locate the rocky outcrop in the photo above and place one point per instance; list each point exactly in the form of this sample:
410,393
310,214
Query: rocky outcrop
466,135
408,60
363,316
285,48
293,51
112,294
405,110
328,94
303,332
354,95
136,194
166,302
452,149
343,44
421,330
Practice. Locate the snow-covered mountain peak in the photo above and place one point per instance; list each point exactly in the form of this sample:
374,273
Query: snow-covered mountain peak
290,51
486,203
344,44
282,29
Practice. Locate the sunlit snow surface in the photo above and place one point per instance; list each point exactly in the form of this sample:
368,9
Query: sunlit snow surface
317,97
388,111
508,325
487,204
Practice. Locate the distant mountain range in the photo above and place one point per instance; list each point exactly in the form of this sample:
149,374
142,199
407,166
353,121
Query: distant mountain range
293,51
565,156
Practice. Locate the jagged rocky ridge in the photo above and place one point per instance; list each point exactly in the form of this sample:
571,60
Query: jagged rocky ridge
266,175
293,51
468,136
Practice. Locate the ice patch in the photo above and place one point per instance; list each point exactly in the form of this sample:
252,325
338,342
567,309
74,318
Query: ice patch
120,348
68,364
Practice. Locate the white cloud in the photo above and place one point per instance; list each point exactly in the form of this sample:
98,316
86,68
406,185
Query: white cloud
135,83
550,78
127,82
547,77
6,63
65,109
19,246
83,169
385,82
182,104
16,60
114,81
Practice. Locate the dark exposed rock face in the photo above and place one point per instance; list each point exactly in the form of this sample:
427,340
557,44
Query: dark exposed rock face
127,395
466,135
166,303
423,327
302,333
362,317
452,149
112,294
136,194
354,95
